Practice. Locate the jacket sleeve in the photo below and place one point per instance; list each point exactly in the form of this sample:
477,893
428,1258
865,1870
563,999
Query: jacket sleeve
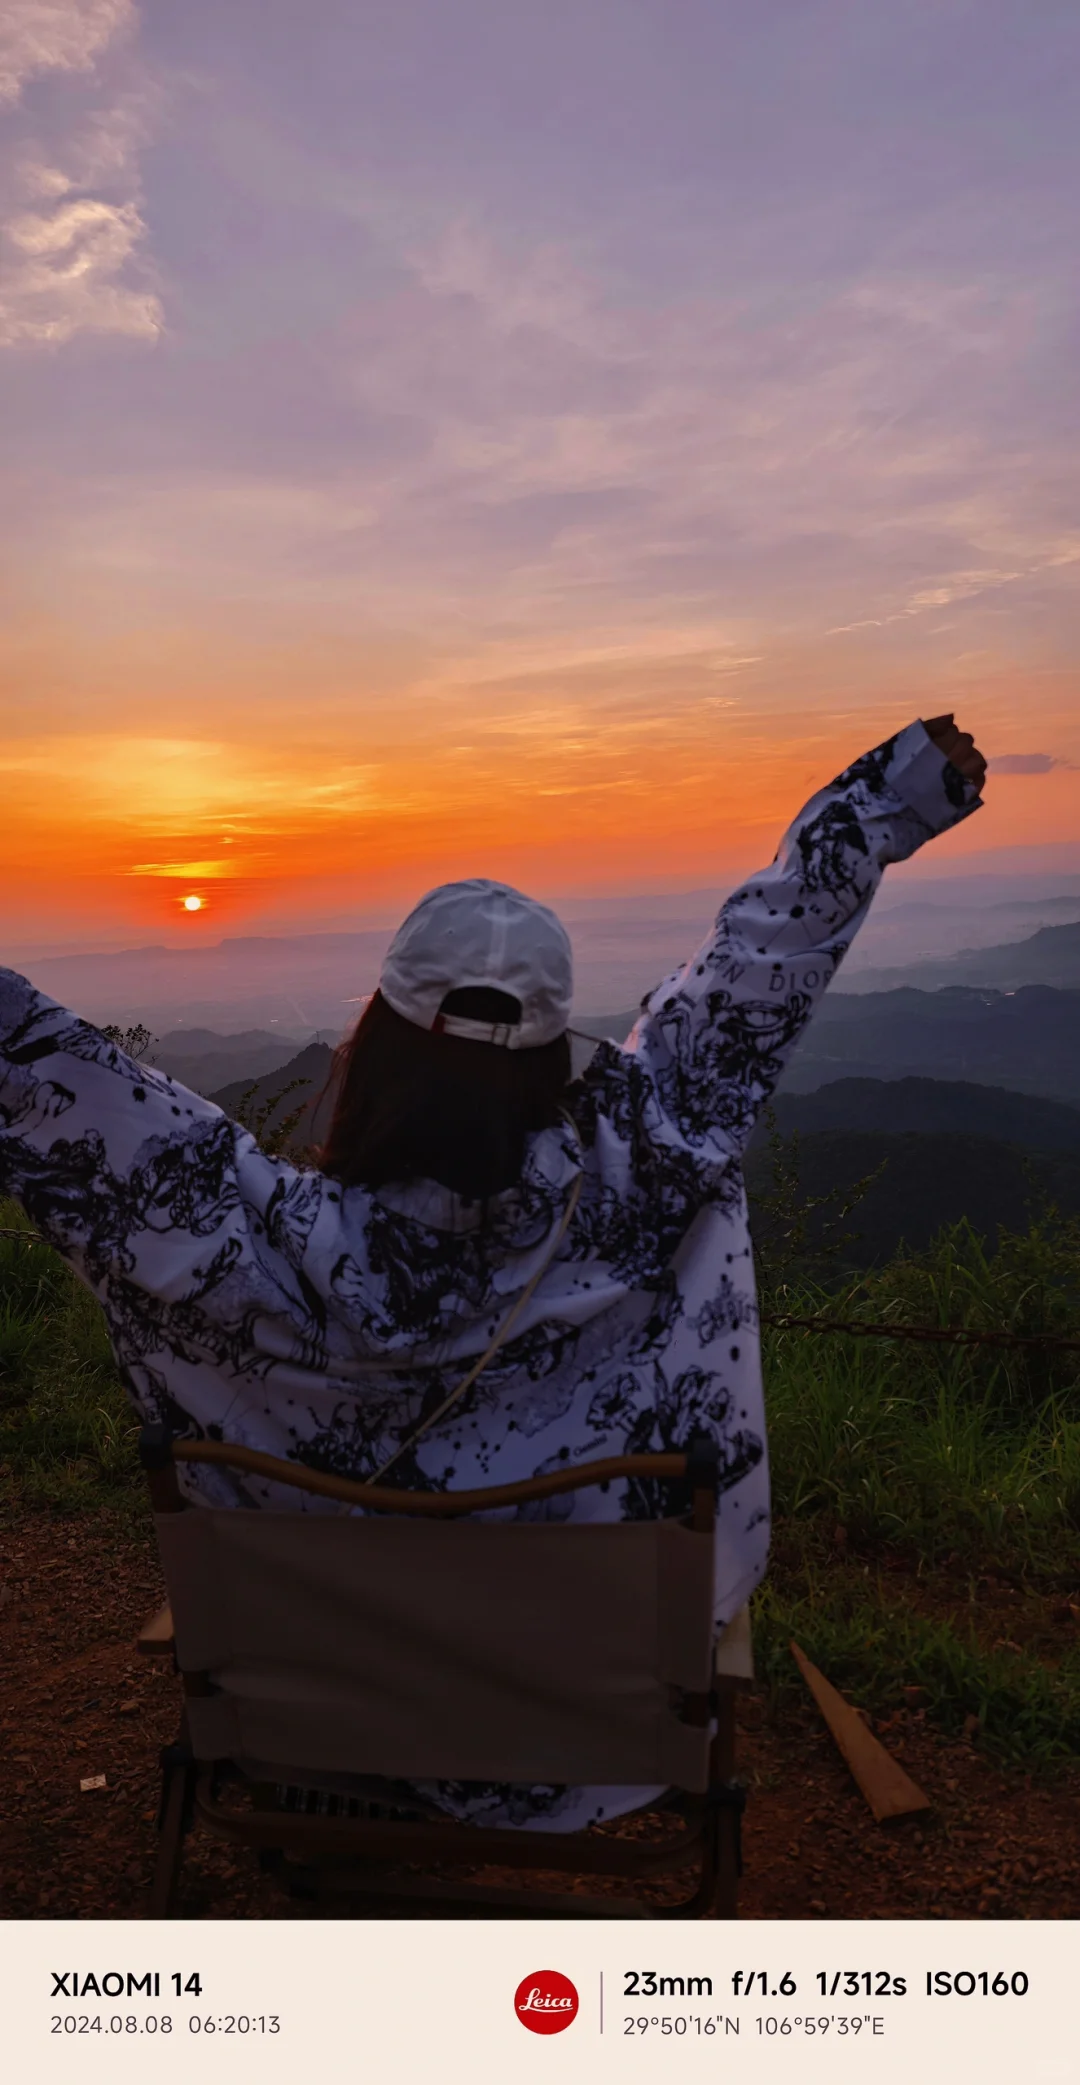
713,1039
101,1151
191,1238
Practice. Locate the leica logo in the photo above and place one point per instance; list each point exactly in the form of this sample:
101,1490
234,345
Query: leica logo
545,2002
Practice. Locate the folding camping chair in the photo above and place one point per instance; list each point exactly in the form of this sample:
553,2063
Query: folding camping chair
340,1655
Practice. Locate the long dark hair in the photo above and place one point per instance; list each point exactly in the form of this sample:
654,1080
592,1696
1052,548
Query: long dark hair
409,1104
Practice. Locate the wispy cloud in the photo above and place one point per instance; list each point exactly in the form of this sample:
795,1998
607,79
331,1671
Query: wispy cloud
953,586
1026,763
173,788
71,228
201,871
39,36
65,270
505,450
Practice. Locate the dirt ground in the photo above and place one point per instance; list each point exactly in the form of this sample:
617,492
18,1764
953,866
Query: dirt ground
78,1701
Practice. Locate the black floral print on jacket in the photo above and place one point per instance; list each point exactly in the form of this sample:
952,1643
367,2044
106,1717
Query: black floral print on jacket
254,1302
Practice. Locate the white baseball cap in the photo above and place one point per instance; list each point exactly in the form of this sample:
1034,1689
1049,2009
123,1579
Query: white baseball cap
482,934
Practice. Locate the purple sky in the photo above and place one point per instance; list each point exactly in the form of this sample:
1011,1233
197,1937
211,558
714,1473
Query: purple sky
550,370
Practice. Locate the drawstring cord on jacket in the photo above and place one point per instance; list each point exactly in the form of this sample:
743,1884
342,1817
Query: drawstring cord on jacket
510,1320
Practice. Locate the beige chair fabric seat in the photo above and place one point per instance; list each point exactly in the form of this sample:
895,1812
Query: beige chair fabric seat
418,1639
364,1646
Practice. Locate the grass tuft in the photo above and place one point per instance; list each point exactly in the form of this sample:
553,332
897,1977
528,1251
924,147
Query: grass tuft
873,1648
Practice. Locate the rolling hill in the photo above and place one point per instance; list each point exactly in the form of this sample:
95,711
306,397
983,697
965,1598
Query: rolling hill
1027,1040
928,1107
925,1183
204,1060
1049,957
312,1067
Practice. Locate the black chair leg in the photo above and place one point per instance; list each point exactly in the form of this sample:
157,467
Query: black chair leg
174,1821
727,1823
727,1800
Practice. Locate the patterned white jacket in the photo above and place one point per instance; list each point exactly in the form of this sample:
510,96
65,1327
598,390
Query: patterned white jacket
255,1302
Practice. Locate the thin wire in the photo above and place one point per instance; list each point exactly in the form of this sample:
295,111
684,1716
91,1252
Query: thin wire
952,1335
490,1351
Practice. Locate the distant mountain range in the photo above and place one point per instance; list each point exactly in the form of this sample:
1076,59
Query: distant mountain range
307,983
946,1149
942,916
926,1107
978,1062
318,981
1027,1040
300,983
1049,957
203,1060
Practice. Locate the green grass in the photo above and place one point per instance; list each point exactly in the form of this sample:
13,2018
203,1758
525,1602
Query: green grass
901,1473
873,1647
903,1455
927,1466
67,1433
949,1454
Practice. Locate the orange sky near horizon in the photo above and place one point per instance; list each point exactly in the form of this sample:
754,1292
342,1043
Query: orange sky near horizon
566,792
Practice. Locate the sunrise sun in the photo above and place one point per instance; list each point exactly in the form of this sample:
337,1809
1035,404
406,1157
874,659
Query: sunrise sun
192,904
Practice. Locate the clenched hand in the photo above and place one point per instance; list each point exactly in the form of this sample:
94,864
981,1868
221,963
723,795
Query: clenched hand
958,747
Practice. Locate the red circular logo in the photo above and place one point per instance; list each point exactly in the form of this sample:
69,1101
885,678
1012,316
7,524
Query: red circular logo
545,2002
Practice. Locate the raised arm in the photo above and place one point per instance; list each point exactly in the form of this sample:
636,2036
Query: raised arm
715,1036
102,1151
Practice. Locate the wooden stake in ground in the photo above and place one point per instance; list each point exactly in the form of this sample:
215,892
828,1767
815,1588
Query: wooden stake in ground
888,1790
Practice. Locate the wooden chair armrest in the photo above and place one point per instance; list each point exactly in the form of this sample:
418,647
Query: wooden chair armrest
436,1505
155,1638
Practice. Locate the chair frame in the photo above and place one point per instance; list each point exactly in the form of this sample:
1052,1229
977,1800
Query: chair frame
384,1857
